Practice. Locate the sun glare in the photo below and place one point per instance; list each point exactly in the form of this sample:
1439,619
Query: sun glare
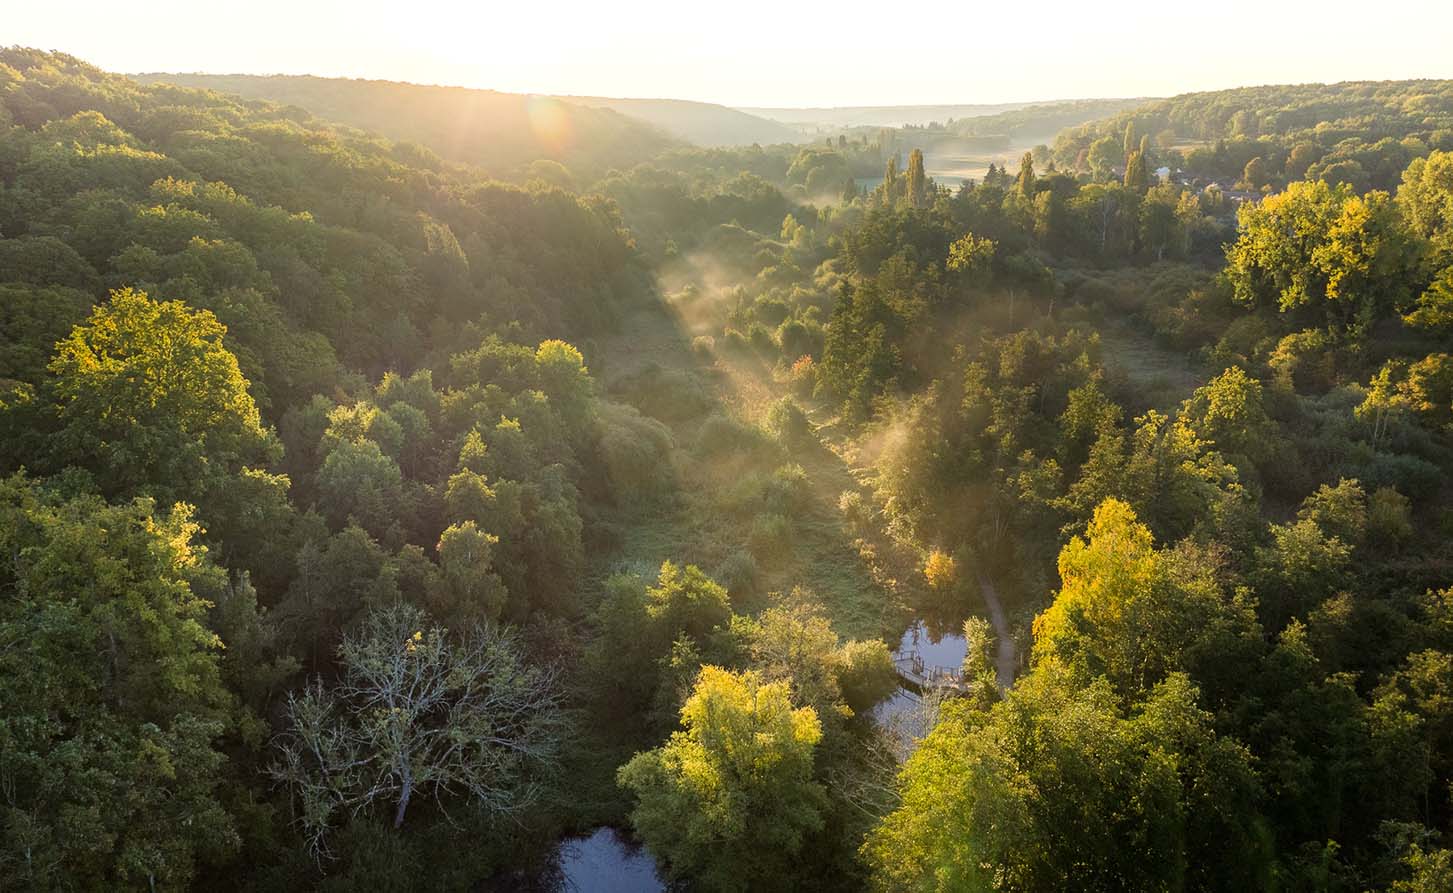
550,122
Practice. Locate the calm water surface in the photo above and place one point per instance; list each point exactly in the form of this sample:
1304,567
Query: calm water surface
606,862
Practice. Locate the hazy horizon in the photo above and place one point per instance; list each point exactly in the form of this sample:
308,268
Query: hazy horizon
764,56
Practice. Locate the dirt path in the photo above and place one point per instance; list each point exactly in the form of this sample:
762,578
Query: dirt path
1005,662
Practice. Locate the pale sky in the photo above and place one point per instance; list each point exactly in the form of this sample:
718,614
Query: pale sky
763,53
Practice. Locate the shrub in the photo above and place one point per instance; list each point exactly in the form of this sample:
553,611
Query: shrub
741,575
771,311
803,377
795,339
771,537
734,340
865,674
746,496
788,423
853,509
760,339
787,492
721,434
635,450
1304,362
1389,520
667,394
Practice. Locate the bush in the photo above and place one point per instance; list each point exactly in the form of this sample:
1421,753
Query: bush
771,537
1389,520
666,394
721,435
771,311
788,423
853,509
1304,362
795,339
746,495
734,340
741,575
787,492
865,674
636,452
1404,473
760,339
803,377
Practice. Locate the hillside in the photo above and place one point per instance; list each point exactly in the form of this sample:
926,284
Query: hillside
878,115
702,123
499,132
1042,120
1360,132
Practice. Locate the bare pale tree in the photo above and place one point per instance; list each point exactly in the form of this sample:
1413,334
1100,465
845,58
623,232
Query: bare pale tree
417,709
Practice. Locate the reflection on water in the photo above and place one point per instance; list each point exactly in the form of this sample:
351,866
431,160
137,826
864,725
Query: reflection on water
949,162
906,716
606,862
939,645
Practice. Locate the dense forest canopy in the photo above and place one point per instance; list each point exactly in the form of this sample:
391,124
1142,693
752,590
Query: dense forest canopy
370,523
1359,132
502,133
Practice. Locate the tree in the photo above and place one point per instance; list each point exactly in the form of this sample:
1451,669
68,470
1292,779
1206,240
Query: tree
729,800
1302,156
1324,248
941,571
1425,199
1228,413
564,377
418,710
110,759
1104,156
1162,227
152,401
917,180
358,481
1059,786
1137,173
972,258
795,643
1108,215
685,601
1255,174
468,586
1127,612
32,320
1025,181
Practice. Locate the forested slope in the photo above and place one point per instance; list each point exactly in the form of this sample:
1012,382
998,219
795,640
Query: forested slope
271,392
1360,132
500,133
699,123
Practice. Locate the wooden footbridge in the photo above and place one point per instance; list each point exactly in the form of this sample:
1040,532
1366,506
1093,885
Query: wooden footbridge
921,677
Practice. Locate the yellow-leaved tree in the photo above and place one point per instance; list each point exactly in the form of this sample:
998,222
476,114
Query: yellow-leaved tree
729,800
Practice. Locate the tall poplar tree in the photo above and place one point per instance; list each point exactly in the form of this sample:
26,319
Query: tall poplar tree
1026,175
917,180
